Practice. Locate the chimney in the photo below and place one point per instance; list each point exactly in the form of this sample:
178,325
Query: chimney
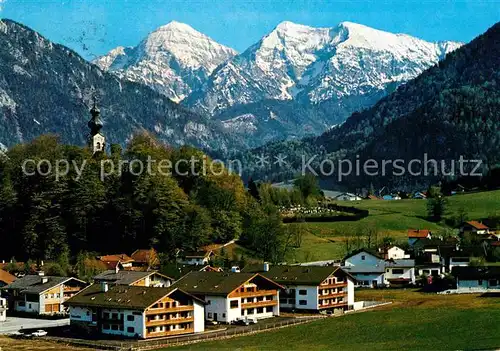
41,273
117,269
266,266
41,263
45,280
104,286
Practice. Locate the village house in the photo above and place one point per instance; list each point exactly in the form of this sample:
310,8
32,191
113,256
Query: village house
480,278
6,278
399,272
475,228
135,278
417,234
366,266
310,288
231,297
363,257
112,261
199,258
136,311
42,294
3,309
367,276
394,252
145,258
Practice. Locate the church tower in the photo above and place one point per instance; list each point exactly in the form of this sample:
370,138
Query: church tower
96,139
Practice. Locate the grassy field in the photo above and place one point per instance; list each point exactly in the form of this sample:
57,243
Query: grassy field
391,218
8,344
415,321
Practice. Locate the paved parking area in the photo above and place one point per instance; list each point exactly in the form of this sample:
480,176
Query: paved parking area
13,324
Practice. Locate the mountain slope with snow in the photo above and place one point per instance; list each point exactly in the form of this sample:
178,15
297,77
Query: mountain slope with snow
313,65
45,88
175,59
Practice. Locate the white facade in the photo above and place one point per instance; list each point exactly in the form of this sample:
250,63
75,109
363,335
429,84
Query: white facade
199,316
3,309
407,273
133,321
350,292
227,310
368,280
395,253
303,297
364,258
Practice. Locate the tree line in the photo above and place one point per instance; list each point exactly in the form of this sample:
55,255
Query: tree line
62,219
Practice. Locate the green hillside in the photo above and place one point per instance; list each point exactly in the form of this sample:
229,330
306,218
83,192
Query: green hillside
325,240
415,321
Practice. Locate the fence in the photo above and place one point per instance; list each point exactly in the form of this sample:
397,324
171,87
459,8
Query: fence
357,214
143,345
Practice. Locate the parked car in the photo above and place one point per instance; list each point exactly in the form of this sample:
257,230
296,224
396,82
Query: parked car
39,333
252,320
242,321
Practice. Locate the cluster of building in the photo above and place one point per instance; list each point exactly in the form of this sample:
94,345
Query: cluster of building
135,303
428,256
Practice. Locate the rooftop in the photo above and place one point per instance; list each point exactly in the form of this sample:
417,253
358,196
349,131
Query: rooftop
306,275
418,233
124,277
6,277
36,284
122,297
477,225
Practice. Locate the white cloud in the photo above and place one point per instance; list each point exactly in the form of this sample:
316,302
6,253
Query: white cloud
2,2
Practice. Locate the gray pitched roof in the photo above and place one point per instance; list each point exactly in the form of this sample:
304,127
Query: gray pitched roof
119,296
400,263
306,275
216,283
364,268
123,277
32,284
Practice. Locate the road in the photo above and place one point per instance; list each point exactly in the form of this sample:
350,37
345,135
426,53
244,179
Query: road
13,324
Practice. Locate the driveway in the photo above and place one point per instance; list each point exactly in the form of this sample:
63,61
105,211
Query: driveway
13,324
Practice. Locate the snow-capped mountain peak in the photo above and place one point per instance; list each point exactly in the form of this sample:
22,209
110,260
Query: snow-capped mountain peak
313,65
175,59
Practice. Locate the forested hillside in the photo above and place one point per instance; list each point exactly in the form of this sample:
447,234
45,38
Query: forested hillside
449,110
43,217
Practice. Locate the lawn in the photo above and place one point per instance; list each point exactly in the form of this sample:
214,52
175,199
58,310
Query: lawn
9,344
325,240
415,321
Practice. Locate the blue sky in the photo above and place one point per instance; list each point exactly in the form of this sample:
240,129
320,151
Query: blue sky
93,27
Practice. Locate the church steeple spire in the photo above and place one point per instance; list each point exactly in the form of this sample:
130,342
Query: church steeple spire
96,139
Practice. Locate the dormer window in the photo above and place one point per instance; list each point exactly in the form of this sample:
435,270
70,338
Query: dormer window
363,258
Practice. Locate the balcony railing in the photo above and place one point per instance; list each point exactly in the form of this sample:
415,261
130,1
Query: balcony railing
329,296
170,310
259,304
336,285
157,322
